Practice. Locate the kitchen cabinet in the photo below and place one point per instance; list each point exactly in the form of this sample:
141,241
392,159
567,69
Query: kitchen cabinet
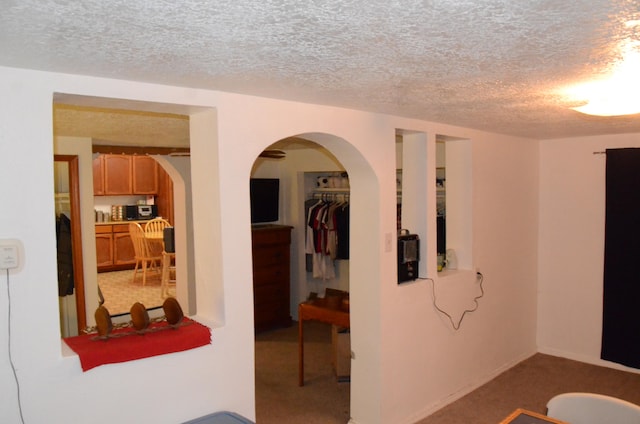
123,252
271,276
98,176
114,249
164,199
104,246
145,175
118,175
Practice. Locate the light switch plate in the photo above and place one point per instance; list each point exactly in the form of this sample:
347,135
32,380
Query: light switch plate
387,242
10,252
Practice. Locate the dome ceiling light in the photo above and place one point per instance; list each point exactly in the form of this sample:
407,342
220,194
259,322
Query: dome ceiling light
619,93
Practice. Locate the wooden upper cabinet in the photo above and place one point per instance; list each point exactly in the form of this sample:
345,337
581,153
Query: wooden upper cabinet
145,175
98,176
164,200
117,175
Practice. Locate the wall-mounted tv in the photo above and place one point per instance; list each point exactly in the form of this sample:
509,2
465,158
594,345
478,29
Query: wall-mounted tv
265,199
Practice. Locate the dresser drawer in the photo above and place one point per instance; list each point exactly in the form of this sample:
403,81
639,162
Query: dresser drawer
270,256
271,314
271,275
270,236
271,293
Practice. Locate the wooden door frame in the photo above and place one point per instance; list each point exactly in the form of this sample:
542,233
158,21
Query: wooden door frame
76,237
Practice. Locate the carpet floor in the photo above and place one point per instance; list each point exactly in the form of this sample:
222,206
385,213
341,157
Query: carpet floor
530,384
323,400
279,399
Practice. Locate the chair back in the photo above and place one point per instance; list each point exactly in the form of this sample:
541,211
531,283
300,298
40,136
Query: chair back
156,225
591,408
137,238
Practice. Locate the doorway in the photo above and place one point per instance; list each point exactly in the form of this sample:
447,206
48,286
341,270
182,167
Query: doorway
73,317
325,397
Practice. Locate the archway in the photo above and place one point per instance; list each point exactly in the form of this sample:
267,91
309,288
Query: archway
307,156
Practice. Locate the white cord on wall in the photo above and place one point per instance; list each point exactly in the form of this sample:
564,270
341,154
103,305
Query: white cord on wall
456,326
13,367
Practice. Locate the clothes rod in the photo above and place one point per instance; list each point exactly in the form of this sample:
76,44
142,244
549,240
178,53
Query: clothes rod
342,196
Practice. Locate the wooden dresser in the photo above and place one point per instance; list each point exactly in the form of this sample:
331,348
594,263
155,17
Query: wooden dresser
271,269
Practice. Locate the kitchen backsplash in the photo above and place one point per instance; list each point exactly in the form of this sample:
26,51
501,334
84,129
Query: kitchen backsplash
103,203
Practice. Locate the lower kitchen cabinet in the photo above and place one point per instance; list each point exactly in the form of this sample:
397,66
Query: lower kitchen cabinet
123,252
271,270
104,246
114,249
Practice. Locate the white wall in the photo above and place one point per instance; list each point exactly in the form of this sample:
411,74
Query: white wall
408,360
571,246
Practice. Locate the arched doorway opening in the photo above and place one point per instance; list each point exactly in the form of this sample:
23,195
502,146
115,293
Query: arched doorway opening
308,173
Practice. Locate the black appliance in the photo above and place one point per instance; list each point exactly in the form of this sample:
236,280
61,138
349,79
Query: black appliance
265,199
169,240
408,257
140,212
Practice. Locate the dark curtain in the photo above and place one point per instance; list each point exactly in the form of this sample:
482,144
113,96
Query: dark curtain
621,301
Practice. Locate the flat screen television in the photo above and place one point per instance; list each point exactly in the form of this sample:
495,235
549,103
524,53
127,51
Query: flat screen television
265,199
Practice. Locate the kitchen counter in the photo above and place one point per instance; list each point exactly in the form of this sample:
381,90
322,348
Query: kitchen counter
141,222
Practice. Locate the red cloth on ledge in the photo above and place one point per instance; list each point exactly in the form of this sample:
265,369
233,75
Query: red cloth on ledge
94,353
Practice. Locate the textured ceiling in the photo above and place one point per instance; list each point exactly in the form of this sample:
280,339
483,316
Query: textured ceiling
487,64
119,127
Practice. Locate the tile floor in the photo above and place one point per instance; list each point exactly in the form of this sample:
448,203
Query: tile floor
120,292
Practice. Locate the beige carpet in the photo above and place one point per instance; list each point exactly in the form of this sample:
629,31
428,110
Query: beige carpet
530,384
323,400
120,292
279,399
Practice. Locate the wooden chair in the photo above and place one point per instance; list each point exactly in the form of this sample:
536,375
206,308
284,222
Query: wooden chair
144,257
167,268
156,225
153,230
592,408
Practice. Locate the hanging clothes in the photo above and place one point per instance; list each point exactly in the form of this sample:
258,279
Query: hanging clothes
65,255
327,236
342,222
308,204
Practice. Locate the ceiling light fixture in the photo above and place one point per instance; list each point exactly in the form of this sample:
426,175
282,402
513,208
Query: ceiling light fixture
617,95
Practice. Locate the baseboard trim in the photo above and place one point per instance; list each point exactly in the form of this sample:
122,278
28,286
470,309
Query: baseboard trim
586,359
463,391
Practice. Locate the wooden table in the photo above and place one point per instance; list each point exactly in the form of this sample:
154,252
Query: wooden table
316,311
155,236
155,242
522,416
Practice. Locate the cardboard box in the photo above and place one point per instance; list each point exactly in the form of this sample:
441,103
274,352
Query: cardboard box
341,352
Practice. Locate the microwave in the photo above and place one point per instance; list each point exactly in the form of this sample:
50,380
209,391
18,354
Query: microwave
140,212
